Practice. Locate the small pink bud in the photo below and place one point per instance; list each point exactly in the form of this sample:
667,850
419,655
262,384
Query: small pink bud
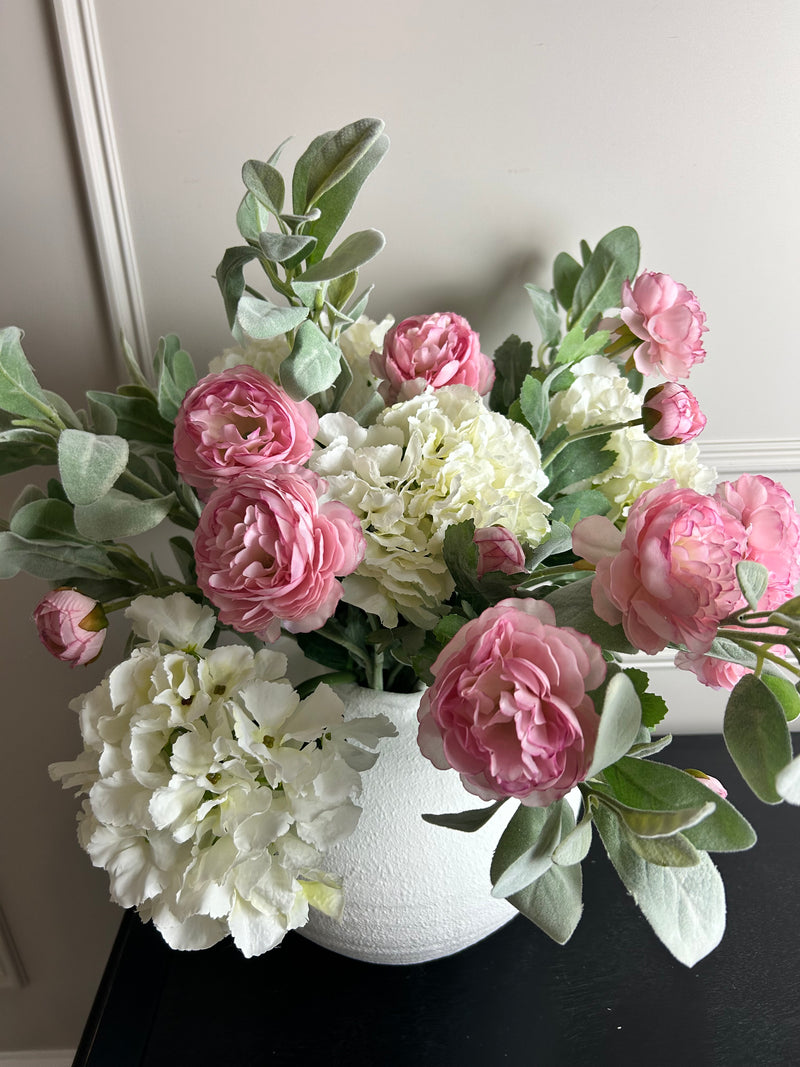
71,626
672,414
714,784
498,550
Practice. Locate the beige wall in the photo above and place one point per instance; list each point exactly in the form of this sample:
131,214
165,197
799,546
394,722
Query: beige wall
517,129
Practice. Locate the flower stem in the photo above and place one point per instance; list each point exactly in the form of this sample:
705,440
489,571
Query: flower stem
593,431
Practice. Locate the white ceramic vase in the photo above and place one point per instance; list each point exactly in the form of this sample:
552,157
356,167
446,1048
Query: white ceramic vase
413,891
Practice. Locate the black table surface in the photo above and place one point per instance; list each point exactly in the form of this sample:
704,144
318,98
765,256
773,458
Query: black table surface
613,995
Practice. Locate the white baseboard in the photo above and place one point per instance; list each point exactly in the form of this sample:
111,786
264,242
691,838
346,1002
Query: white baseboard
38,1058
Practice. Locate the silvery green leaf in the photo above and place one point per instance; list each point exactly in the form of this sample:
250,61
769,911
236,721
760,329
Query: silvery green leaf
298,220
285,247
176,376
649,748
577,346
21,447
656,786
575,846
546,312
573,607
337,203
512,363
52,560
310,293
757,736
534,401
577,461
787,781
27,496
265,183
786,694
45,519
132,364
341,289
674,851
230,277
90,464
356,250
252,218
20,392
753,580
654,707
566,272
512,870
615,259
574,506
684,905
119,515
330,158
313,364
559,540
63,410
262,319
359,305
620,720
646,823
466,821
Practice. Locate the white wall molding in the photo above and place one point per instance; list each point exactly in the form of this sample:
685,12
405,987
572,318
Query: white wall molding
38,1058
768,454
79,41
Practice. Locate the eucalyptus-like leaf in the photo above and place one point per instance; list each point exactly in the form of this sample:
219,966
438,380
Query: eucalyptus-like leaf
53,560
757,736
341,289
285,247
684,905
615,259
265,183
20,392
574,607
786,694
654,786
262,319
577,461
26,496
63,410
359,305
252,218
466,821
45,519
620,720
356,250
89,464
571,508
558,540
658,823
330,158
650,748
176,376
294,221
510,875
546,312
753,579
674,851
336,204
230,277
313,364
566,272
21,447
534,401
574,847
118,515
787,781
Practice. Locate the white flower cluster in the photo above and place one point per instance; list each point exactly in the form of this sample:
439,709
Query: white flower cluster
211,789
437,459
599,396
358,343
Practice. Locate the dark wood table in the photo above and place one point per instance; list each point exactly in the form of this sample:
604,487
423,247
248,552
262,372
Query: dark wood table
612,996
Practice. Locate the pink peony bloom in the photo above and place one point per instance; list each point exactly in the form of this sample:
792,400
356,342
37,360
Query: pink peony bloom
498,550
668,319
269,552
768,514
240,422
433,350
509,707
672,414
674,577
71,626
720,673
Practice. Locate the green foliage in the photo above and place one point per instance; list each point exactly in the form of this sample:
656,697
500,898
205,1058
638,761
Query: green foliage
578,461
573,607
546,312
620,719
577,346
574,506
512,362
89,464
753,580
118,515
20,392
785,692
615,259
566,272
21,447
466,821
684,905
265,184
313,364
653,786
330,158
757,736
534,404
263,320
356,250
654,707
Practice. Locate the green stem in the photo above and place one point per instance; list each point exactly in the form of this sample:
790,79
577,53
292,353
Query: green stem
761,653
593,431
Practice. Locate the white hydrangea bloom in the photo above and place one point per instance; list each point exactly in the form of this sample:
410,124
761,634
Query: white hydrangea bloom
358,343
212,790
437,459
599,396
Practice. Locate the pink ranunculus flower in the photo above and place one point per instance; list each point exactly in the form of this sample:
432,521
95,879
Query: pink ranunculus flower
71,626
674,576
672,414
431,350
767,512
269,552
509,707
720,673
239,422
498,550
669,321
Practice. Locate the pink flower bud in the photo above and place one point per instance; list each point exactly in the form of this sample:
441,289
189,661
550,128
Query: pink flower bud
714,784
72,626
498,550
672,414
669,321
431,350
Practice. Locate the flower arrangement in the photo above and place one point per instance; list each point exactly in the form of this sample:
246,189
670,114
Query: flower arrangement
413,512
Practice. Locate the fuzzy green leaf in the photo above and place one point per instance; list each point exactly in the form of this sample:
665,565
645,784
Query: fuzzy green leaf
262,319
22,447
313,364
20,392
119,515
546,312
466,821
230,277
573,607
329,159
354,251
757,736
265,183
89,465
535,406
566,272
785,692
509,878
753,580
620,720
512,362
615,259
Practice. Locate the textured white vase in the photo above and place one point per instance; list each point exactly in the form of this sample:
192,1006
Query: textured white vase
413,891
